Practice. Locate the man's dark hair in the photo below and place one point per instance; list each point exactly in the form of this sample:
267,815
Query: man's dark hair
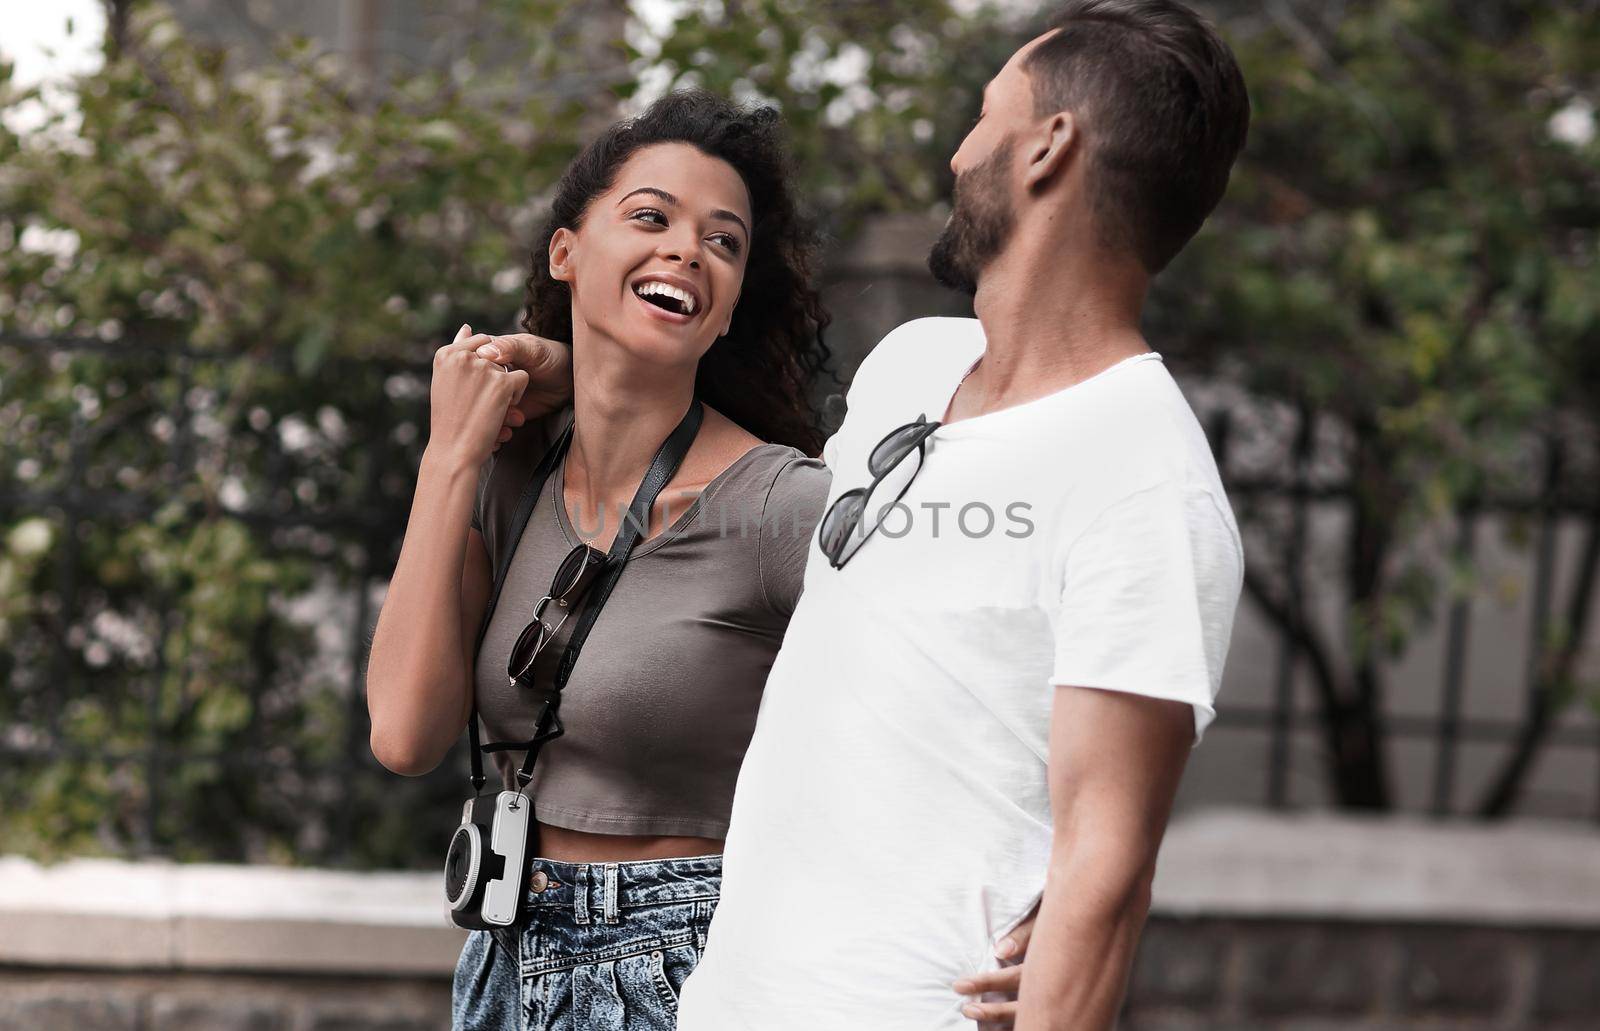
1162,106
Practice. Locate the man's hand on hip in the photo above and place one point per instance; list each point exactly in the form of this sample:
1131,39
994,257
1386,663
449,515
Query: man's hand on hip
996,989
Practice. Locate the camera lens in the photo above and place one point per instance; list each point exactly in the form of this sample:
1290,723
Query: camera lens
461,864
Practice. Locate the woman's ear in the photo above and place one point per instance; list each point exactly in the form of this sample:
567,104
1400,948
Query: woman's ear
1048,149
561,254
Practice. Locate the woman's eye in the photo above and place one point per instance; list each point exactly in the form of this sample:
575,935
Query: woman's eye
730,242
650,215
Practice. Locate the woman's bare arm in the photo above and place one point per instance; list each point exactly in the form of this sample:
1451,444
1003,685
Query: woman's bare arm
419,673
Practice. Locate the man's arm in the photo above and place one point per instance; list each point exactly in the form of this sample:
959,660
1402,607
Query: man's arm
1115,762
1147,604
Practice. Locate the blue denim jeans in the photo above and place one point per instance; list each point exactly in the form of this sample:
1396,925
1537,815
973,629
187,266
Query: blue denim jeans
605,947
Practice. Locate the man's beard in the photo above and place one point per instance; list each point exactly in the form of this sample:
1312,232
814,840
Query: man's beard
980,223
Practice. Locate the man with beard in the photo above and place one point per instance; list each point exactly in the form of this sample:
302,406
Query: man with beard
1017,609
1020,595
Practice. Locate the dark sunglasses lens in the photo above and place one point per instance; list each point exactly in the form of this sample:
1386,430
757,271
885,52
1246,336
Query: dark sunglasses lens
528,644
894,447
571,570
840,522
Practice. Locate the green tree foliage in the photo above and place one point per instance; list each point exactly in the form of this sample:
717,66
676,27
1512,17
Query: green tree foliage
1408,251
247,273
876,96
220,288
219,293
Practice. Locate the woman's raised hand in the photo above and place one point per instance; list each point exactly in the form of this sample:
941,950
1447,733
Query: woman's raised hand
469,399
547,365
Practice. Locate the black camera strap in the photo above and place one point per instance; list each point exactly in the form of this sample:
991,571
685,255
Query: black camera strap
662,467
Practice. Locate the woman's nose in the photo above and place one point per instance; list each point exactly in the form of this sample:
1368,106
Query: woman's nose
682,250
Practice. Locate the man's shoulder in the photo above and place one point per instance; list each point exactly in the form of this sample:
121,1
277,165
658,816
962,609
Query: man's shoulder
912,347
1147,433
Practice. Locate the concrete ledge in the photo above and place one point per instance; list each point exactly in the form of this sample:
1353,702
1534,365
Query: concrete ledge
162,915
1226,862
95,913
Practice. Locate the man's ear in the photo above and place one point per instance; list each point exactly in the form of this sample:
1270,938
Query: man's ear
1049,148
561,254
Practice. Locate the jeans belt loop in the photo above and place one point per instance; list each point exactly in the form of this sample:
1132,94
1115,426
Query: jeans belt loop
611,893
580,896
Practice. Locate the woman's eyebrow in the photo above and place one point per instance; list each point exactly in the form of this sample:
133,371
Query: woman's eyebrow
668,198
663,194
724,213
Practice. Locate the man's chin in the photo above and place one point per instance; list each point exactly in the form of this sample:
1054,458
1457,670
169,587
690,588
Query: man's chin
949,271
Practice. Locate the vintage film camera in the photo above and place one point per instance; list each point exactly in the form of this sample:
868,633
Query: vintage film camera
487,865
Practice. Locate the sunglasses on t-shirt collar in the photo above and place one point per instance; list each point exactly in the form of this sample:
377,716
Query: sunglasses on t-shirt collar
853,517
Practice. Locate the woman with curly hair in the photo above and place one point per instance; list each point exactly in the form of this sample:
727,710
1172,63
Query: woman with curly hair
677,270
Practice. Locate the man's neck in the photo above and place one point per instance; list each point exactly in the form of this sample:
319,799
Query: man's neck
1051,317
622,412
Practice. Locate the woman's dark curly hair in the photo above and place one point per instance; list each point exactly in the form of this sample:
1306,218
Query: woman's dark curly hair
760,374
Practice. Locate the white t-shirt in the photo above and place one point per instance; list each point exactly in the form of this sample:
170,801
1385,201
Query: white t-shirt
892,815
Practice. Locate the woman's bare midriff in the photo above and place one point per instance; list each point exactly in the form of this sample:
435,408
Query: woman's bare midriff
570,846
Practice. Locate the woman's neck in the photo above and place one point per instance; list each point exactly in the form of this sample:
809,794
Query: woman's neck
622,411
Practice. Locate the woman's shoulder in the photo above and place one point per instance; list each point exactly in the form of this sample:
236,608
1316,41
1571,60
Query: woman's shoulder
775,466
767,478
762,464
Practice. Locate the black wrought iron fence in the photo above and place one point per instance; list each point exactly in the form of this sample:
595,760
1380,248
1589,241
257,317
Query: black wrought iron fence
1552,489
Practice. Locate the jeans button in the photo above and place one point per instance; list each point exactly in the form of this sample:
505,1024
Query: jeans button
539,881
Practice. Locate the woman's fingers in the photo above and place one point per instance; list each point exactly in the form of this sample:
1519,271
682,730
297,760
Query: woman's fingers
462,400
465,339
547,363
513,419
536,354
519,385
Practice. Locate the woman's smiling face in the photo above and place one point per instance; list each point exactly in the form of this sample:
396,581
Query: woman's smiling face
657,264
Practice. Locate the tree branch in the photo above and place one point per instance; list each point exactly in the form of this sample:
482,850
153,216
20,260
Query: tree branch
1555,671
1292,623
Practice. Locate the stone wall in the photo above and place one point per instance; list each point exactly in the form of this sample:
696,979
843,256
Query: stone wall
1315,922
98,1000
1216,974
1251,975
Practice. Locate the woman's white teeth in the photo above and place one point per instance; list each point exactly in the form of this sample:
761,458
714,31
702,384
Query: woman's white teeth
686,301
